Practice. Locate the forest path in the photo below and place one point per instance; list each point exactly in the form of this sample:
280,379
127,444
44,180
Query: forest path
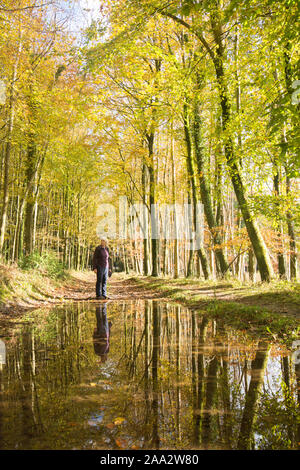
121,287
81,286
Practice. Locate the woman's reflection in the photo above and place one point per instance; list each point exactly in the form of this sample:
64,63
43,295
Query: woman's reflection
102,332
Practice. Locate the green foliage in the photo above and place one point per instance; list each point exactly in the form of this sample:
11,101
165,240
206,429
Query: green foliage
47,261
279,414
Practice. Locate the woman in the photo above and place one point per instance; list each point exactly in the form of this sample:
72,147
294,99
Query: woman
102,266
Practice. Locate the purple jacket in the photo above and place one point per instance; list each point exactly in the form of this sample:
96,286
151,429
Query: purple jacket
101,258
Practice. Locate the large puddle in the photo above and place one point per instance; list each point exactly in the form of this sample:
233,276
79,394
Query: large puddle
144,375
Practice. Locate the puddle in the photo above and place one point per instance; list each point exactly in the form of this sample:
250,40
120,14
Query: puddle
144,375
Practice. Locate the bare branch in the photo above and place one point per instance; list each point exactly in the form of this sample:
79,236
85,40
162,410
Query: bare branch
29,7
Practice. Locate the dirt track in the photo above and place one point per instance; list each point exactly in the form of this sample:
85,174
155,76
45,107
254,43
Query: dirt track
81,287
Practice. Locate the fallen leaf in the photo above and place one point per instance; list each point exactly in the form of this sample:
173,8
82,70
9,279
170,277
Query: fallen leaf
121,443
110,425
119,421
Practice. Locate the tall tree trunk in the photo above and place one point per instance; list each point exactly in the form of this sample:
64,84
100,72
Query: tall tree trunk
176,254
8,146
222,265
280,256
288,73
145,222
154,244
250,265
192,179
31,173
259,248
292,236
191,250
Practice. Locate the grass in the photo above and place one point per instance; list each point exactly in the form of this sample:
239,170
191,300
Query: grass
273,290
254,319
46,262
33,280
26,287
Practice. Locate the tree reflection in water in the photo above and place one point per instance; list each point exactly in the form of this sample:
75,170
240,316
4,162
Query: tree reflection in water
168,378
101,336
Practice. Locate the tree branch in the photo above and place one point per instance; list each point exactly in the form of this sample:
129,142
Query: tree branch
29,7
190,28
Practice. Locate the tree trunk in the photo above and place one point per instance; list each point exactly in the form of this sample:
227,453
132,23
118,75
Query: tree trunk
288,73
154,244
191,176
205,194
31,171
291,233
250,265
259,248
145,222
176,258
8,147
280,257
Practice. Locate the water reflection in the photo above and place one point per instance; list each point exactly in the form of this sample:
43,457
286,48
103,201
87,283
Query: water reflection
101,336
168,378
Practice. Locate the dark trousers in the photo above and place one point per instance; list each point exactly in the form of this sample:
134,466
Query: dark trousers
102,274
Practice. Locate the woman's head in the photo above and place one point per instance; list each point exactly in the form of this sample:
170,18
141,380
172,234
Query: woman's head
103,241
